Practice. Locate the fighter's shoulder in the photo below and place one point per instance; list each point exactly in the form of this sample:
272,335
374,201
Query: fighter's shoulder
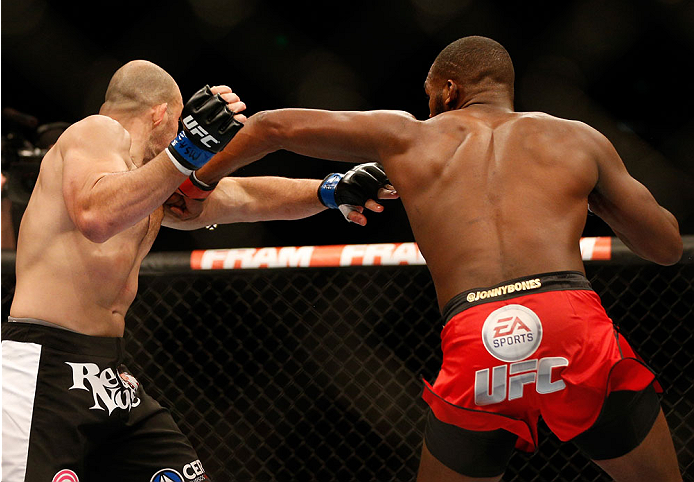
94,129
550,122
386,117
573,134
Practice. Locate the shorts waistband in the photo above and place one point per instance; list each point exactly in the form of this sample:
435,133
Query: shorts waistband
63,340
538,283
36,321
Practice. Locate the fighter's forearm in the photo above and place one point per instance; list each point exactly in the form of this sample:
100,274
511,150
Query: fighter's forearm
252,199
664,248
347,136
264,199
654,236
252,143
119,200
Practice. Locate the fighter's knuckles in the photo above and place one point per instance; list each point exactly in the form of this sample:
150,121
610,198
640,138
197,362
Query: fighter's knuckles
357,218
372,205
221,89
388,192
237,107
230,97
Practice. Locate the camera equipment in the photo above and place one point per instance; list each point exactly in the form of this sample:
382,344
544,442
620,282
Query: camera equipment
23,148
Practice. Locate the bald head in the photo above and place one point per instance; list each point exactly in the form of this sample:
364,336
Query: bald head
139,85
474,60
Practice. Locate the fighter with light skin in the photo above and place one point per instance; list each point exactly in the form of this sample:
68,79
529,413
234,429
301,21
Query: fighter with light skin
92,218
494,198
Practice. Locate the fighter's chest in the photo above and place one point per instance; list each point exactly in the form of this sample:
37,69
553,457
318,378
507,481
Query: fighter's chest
152,225
145,231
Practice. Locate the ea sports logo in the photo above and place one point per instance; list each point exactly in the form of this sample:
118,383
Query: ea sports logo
512,333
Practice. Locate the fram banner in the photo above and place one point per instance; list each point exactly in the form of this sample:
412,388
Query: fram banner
381,254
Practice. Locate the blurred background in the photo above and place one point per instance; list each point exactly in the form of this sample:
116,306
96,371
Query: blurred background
619,65
311,374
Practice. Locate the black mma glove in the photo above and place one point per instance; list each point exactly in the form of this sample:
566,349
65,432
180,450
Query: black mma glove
354,188
207,127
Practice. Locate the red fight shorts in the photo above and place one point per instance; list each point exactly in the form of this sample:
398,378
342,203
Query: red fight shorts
536,346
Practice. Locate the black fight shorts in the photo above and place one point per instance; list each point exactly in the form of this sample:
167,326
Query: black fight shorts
72,411
625,420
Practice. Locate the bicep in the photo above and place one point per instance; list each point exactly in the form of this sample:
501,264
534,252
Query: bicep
89,153
348,136
617,197
632,212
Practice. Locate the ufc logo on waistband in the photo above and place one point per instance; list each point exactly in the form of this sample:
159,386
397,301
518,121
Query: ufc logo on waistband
195,128
508,381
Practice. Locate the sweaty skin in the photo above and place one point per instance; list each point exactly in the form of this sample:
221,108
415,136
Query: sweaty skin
491,194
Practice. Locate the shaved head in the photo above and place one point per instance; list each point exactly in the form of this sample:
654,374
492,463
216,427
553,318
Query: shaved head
140,85
473,60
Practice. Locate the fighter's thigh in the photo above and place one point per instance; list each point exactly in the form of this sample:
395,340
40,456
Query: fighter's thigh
451,453
151,447
630,439
41,416
653,459
433,470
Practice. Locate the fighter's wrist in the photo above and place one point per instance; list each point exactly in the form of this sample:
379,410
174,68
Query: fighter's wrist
189,155
326,190
193,188
177,164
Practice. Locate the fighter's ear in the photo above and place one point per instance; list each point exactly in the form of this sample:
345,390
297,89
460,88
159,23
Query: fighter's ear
450,94
158,113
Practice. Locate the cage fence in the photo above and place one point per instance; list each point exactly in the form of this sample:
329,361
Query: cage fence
315,373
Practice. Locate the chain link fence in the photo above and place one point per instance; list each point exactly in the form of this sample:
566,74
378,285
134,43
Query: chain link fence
314,374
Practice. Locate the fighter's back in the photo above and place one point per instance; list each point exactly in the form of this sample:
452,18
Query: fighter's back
493,195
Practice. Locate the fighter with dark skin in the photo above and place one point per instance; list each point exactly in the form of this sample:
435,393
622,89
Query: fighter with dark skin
491,195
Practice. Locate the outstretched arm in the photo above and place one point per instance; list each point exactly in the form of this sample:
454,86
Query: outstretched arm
251,199
632,212
248,199
348,136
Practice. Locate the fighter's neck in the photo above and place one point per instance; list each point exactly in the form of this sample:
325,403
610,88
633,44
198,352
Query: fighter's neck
493,98
138,135
487,107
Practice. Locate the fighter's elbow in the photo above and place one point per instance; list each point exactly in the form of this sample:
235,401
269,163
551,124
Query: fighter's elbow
93,227
671,253
267,123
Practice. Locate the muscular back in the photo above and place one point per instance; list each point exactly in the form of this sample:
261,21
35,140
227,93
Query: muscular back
495,195
62,276
491,194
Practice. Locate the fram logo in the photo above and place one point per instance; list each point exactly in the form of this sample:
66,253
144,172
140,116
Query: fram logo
512,333
195,128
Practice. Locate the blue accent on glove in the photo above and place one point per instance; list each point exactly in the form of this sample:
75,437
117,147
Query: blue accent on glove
326,191
187,153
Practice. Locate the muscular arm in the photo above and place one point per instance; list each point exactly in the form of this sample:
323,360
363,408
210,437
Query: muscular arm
632,212
250,199
102,195
354,137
